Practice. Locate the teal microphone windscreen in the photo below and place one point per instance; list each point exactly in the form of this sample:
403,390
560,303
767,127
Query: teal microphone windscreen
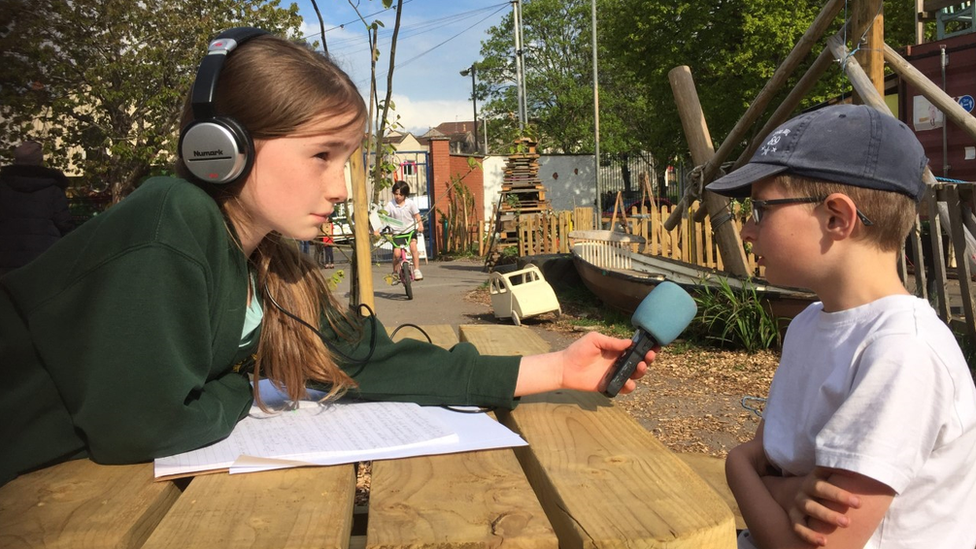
665,312
659,319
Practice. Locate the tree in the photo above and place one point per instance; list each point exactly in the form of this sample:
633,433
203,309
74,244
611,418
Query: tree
383,169
558,64
733,48
102,82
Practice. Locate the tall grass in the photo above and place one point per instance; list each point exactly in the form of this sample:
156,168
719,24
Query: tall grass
734,318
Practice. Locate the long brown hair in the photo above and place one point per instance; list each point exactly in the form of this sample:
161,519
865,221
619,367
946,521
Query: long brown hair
273,87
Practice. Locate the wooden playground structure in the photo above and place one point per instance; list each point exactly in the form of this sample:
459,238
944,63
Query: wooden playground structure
865,71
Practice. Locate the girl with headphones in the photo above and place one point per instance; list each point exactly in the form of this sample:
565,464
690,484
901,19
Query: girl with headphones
136,335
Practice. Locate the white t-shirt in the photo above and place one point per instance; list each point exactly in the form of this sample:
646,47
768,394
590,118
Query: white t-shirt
882,390
403,212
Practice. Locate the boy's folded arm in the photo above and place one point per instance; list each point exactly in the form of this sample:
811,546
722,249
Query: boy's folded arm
783,489
873,499
768,522
746,470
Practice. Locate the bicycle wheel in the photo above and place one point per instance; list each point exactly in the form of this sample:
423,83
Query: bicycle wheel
406,277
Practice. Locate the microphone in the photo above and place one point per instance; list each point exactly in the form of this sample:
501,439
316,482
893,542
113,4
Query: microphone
659,319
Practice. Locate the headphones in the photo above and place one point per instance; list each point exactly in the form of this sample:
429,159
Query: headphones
216,149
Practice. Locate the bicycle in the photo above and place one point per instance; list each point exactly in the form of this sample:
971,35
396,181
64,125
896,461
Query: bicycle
405,274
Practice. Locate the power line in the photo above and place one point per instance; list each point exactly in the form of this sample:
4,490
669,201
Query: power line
356,44
418,56
342,25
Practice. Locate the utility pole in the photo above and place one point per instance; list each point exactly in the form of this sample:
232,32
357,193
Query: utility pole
596,126
473,69
519,72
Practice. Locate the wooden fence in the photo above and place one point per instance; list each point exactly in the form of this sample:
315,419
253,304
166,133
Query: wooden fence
543,232
946,282
548,233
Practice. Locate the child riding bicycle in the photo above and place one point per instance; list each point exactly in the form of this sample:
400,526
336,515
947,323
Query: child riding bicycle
405,210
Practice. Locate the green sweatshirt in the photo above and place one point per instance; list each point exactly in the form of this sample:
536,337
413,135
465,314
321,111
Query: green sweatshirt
119,343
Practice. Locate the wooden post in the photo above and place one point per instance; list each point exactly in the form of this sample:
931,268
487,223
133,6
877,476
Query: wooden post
921,282
700,144
954,205
938,261
800,51
867,23
786,108
363,267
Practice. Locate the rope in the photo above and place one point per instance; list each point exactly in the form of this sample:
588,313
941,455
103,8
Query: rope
948,180
719,220
857,47
694,183
756,409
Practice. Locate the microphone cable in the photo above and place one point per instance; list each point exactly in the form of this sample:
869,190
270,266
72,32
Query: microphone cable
325,340
372,346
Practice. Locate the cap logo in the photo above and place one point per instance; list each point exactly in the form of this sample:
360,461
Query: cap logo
774,140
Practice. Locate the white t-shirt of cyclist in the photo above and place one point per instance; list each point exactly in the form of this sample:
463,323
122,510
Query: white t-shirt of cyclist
405,213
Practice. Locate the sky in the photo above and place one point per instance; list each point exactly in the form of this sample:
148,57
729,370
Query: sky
437,40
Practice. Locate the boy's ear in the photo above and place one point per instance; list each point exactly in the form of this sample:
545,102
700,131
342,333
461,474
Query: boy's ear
840,216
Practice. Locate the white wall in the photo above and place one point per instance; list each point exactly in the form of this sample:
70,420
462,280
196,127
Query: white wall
568,180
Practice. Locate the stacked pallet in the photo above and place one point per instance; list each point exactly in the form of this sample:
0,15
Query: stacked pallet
521,185
522,192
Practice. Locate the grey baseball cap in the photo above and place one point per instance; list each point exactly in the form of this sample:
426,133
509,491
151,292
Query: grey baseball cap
848,144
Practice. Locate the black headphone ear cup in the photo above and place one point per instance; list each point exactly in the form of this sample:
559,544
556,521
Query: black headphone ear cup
217,150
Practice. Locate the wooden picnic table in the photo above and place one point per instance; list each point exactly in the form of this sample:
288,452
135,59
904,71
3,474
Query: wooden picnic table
590,477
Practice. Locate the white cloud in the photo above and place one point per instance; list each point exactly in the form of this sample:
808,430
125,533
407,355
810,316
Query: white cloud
419,116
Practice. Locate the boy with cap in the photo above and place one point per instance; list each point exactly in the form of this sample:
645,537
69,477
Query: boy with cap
868,436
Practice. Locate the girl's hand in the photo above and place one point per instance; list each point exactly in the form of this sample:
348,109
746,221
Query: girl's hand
582,366
587,362
808,504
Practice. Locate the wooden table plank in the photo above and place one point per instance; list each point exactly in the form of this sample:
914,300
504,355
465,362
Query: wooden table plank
606,482
469,500
475,499
80,504
603,480
442,335
290,508
503,340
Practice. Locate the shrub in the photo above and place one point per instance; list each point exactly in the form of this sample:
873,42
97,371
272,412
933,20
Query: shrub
735,318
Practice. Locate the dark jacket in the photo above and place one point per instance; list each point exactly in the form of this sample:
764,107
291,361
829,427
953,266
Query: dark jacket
122,342
33,212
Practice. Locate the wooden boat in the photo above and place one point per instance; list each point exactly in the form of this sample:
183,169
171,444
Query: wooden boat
612,267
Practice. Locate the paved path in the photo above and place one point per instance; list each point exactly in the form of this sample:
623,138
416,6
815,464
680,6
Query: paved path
439,298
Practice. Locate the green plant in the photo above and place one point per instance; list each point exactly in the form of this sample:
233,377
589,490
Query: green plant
735,318
459,215
335,279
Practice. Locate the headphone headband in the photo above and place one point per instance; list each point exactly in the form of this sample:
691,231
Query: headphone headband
205,85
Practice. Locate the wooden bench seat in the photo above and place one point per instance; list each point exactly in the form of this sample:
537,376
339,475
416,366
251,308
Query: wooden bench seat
712,470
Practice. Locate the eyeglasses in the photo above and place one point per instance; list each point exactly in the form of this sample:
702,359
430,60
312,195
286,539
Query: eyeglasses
759,207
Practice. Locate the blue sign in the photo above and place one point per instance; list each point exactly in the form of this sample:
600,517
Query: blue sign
966,102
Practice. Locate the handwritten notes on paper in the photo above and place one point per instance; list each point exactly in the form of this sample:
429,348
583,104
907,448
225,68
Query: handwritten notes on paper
334,433
315,434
